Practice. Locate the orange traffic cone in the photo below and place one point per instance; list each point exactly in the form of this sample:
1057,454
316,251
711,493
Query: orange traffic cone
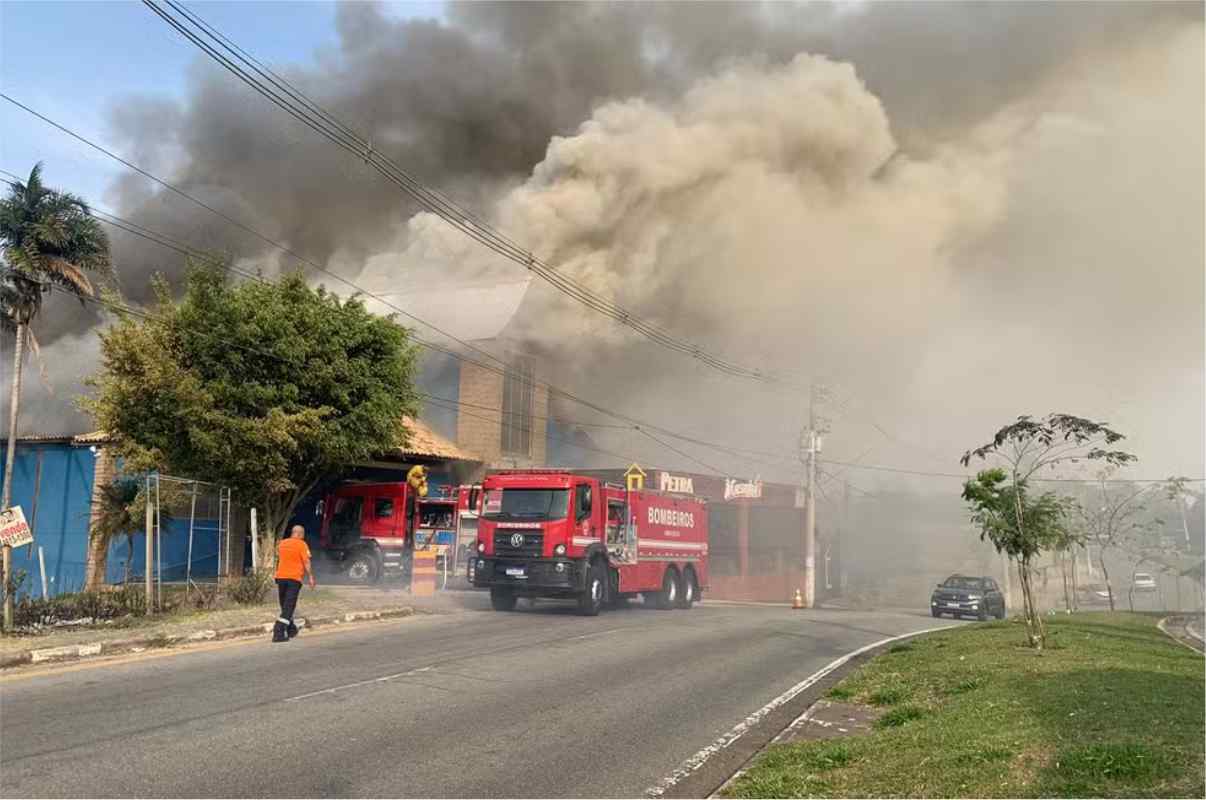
798,600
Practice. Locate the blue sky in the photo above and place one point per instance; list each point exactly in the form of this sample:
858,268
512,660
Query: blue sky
73,60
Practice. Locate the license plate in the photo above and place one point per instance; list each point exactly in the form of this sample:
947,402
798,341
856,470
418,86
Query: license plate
515,572
952,605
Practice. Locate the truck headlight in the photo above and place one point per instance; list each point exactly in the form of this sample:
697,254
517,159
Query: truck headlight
559,550
481,547
973,597
481,564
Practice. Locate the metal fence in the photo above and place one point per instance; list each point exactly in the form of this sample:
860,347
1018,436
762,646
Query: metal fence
190,524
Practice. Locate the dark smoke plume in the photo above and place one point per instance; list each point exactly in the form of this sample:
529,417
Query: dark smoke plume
983,191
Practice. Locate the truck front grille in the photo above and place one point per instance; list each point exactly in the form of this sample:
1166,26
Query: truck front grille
518,544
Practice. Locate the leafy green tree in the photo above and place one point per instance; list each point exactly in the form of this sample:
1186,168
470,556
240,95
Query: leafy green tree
1021,526
48,239
1019,522
260,386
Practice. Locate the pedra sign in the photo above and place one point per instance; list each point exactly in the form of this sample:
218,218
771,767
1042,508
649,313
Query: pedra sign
13,530
676,484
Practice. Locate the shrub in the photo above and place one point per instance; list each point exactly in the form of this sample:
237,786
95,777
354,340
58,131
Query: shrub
33,613
251,589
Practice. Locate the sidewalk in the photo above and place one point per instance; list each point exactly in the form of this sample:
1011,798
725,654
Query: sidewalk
326,605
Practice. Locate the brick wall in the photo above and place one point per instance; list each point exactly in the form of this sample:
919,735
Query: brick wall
540,414
479,429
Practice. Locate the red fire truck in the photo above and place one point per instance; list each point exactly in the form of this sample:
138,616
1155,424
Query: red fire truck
550,533
365,534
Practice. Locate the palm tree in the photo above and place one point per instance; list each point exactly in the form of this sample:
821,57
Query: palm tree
48,239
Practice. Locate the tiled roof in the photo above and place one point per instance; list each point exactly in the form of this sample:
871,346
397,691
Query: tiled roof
426,442
43,437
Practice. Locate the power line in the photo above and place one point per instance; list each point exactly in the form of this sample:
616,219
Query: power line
570,442
502,370
674,449
558,420
288,98
126,309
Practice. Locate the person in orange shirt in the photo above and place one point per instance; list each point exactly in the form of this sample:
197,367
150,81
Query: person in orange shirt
292,564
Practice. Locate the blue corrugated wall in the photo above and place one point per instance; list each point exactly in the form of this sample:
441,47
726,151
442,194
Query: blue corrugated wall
61,524
174,558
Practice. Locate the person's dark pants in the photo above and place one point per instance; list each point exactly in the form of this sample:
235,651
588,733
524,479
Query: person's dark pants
288,590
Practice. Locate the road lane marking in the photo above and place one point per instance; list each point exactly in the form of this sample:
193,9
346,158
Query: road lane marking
382,679
409,673
591,635
695,762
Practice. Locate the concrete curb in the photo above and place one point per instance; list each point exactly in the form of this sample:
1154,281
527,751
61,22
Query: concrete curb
776,716
1186,633
77,652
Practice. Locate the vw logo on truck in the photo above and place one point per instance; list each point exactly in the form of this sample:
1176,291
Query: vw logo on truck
517,540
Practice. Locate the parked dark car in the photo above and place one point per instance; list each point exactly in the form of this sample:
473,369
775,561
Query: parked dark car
967,596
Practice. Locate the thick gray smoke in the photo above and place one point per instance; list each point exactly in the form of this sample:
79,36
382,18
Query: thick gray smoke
952,212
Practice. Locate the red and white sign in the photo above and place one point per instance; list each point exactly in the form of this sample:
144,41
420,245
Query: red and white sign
13,530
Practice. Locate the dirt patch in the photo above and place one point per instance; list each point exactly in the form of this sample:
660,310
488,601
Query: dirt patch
827,719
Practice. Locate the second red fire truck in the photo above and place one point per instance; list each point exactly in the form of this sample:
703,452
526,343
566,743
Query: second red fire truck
551,533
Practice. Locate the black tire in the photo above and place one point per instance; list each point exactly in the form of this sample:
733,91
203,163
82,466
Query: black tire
614,598
363,568
667,598
591,600
935,613
1001,613
982,615
688,589
502,599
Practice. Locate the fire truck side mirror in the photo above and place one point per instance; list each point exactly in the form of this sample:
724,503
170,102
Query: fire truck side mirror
318,507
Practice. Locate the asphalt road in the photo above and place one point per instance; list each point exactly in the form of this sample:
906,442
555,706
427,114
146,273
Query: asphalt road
537,703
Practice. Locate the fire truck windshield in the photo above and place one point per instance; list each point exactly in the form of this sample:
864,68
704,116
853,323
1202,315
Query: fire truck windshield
526,504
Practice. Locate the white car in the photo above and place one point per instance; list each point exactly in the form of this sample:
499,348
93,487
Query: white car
1143,582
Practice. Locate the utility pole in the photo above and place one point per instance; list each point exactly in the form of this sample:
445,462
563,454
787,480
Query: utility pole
810,444
149,551
9,460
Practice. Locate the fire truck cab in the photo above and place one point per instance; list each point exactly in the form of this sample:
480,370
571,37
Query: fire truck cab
365,531
552,533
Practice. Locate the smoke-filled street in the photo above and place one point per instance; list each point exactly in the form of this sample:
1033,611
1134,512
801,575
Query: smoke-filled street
534,704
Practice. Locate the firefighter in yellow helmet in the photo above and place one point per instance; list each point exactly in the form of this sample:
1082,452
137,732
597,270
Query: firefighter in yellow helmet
416,479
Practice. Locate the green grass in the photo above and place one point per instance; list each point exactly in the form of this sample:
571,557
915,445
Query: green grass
1113,709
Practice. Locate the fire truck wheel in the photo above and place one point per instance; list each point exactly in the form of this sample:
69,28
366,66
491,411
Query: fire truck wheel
363,568
591,600
667,598
502,599
688,589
